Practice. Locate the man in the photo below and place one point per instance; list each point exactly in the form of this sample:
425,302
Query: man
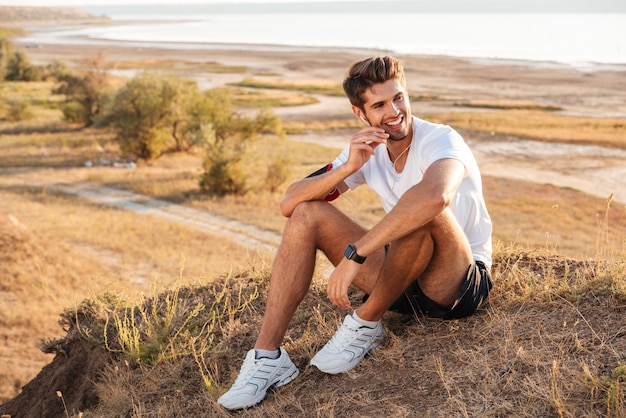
430,254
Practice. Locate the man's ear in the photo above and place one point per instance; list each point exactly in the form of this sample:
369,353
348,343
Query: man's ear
359,114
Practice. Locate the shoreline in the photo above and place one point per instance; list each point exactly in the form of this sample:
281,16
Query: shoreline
155,28
38,41
47,33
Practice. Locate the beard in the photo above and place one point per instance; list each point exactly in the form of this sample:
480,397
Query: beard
398,134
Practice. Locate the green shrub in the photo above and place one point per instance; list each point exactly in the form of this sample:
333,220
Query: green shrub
18,110
73,112
277,173
223,175
19,68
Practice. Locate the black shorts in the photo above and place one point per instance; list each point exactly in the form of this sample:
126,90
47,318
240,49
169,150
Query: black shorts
473,292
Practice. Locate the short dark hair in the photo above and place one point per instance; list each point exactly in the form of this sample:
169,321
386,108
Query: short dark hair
362,75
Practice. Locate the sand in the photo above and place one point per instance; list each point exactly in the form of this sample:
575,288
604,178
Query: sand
596,91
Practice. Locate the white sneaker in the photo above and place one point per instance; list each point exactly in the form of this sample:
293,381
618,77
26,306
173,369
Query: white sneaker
349,345
256,376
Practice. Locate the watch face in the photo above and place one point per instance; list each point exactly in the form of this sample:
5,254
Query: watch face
351,254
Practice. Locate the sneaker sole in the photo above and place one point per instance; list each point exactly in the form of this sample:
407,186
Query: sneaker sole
294,373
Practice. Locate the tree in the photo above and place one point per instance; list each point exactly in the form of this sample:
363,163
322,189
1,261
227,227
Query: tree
86,92
157,114
152,115
223,170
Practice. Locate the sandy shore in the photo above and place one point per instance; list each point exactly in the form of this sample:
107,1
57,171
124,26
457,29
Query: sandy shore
578,91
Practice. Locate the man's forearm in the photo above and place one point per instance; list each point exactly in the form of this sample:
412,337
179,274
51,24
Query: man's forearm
415,209
313,188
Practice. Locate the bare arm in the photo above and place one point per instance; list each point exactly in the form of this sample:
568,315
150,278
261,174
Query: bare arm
318,187
418,206
313,188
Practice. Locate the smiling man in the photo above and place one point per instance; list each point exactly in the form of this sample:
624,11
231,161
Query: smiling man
429,255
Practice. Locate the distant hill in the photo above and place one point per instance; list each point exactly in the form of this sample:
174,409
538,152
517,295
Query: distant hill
35,14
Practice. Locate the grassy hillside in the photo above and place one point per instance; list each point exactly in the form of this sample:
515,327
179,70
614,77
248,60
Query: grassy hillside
550,343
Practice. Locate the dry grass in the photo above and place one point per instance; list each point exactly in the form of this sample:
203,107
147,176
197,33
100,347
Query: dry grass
175,65
7,32
540,125
550,343
329,125
557,220
507,104
258,98
56,250
306,86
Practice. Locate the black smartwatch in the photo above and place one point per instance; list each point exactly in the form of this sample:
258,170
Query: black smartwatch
351,254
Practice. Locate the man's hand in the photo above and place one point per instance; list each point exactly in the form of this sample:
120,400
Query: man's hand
363,143
339,281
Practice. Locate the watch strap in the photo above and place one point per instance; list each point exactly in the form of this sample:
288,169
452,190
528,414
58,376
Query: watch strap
351,254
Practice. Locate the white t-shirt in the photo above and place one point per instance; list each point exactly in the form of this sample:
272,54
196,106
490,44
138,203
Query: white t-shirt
431,142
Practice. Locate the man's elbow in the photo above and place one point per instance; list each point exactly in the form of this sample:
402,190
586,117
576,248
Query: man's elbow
286,208
440,200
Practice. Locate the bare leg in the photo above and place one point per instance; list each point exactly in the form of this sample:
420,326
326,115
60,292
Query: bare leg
438,255
312,226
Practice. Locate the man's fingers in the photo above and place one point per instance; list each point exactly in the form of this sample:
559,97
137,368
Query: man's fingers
337,297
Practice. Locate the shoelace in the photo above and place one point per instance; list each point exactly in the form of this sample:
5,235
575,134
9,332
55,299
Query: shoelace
243,378
343,338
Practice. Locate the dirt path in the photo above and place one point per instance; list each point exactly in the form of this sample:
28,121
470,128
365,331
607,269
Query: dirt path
246,235
597,171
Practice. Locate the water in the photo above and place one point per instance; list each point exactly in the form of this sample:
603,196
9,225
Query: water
571,38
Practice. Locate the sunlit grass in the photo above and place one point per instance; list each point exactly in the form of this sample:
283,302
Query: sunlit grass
546,342
7,32
306,86
56,248
544,126
29,90
301,127
177,65
53,144
257,98
503,104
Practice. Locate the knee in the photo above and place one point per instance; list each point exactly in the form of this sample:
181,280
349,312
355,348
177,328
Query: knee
443,224
422,234
307,214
